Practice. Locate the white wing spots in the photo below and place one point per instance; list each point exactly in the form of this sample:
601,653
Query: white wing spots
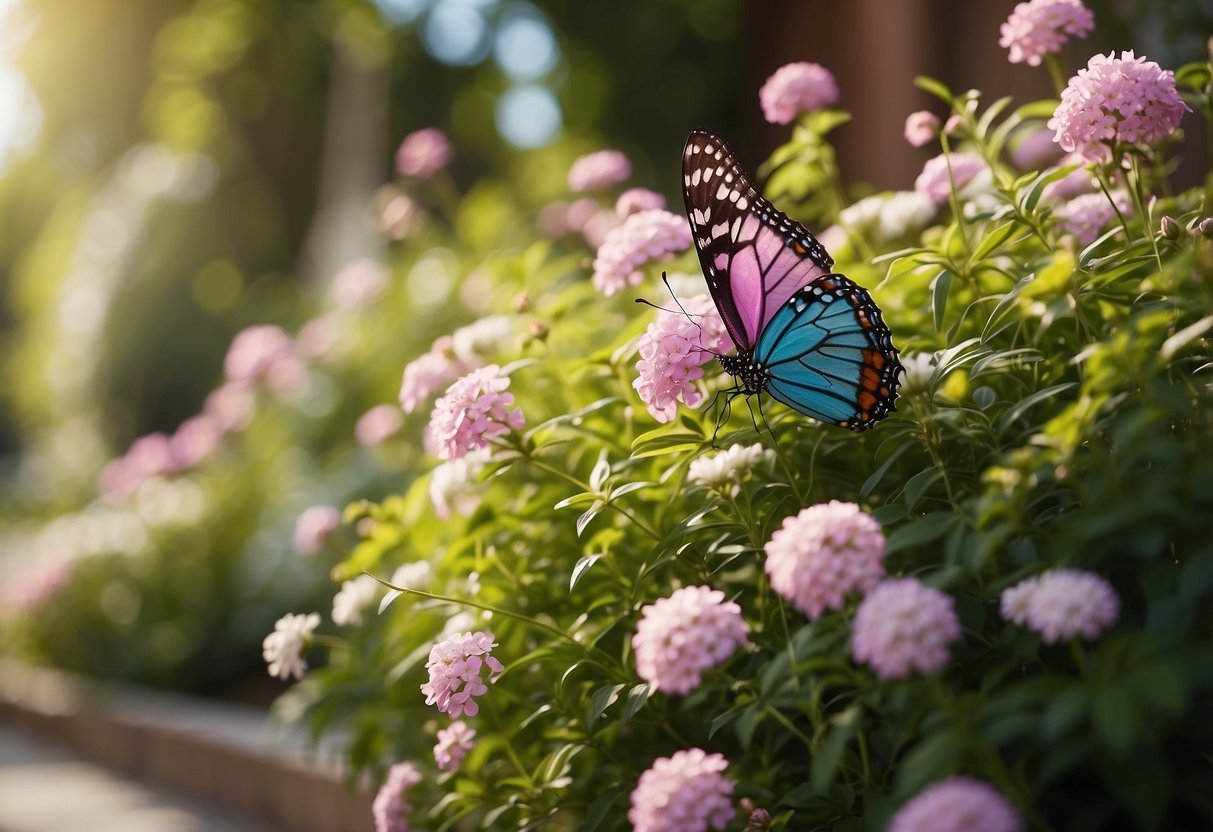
704,241
699,217
733,195
736,231
707,174
719,154
707,148
722,259
696,176
742,203
728,177
720,230
686,180
722,191
720,172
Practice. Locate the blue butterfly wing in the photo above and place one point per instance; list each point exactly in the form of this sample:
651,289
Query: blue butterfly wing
828,354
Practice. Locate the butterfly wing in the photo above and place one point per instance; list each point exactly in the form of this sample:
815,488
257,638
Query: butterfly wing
828,354
753,255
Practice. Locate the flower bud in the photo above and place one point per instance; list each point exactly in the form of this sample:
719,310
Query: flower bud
1168,228
1205,228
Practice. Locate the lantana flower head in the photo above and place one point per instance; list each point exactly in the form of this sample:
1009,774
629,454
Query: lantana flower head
903,626
256,351
283,648
957,804
391,808
313,527
1039,27
455,667
686,791
724,470
679,637
148,456
598,170
1062,604
797,88
934,182
423,153
353,599
921,127
673,351
819,556
1127,100
642,238
232,405
195,440
377,424
429,373
454,742
473,410
1086,215
453,485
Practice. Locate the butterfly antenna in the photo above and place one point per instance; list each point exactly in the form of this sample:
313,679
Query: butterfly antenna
666,280
647,302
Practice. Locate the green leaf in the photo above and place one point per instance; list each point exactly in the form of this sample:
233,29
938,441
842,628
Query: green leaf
918,484
930,760
637,697
935,88
599,809
927,528
825,761
581,567
1024,405
589,515
939,296
876,476
602,699
993,240
1116,720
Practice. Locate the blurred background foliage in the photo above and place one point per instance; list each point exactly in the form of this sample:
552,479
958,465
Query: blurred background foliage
172,171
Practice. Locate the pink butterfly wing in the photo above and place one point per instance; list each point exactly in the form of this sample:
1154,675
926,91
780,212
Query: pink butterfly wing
753,255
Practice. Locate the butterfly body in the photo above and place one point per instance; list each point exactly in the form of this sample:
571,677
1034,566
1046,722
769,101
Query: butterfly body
807,337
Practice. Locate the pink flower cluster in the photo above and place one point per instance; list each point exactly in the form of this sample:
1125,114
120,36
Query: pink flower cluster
425,375
360,284
903,626
921,127
681,636
796,88
673,351
35,585
687,792
635,200
423,153
642,238
1062,604
313,528
378,424
1086,215
148,456
453,745
391,808
1042,26
934,182
472,411
1125,100
957,804
455,666
264,353
598,170
823,553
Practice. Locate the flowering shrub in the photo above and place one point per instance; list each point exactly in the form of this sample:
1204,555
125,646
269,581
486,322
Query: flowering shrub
989,612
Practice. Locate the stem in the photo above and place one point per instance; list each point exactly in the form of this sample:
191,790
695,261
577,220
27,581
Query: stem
1053,65
1103,186
585,486
953,196
1139,200
787,466
787,723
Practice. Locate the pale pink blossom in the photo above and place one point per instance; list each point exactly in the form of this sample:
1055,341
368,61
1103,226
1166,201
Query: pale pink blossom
921,127
483,337
455,666
453,485
686,792
454,742
553,220
255,351
354,597
596,229
378,424
1062,604
391,808
473,410
1126,100
1078,181
903,626
680,637
797,88
313,527
1085,216
957,804
396,214
1034,148
429,373
635,200
231,405
673,351
148,456
283,648
318,337
819,556
195,440
934,181
598,170
1040,27
580,212
360,284
423,153
35,585
642,238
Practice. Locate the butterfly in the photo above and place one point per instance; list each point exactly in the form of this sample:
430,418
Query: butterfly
809,338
